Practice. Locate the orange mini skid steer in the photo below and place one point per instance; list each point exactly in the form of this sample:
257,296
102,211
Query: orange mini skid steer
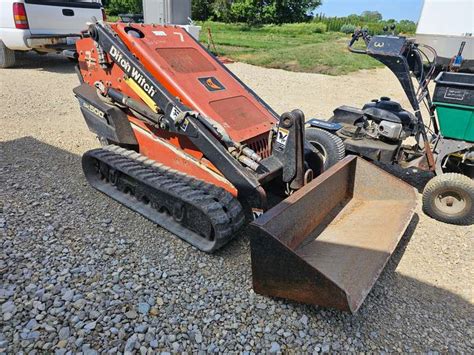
192,148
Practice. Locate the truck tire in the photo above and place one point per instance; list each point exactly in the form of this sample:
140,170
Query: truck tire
330,146
7,56
449,198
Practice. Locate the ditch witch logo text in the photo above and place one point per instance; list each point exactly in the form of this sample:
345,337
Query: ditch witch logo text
132,72
211,83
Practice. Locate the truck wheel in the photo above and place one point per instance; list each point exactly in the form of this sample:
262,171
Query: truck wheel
330,146
7,56
449,198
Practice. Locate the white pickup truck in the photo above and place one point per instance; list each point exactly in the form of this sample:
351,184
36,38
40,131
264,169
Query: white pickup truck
43,25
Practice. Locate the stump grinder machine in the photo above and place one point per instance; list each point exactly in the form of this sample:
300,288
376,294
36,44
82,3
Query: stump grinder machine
192,148
385,132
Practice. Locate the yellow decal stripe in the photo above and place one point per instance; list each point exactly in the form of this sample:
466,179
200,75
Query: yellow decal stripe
143,95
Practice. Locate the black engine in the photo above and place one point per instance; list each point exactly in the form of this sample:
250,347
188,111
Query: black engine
385,111
375,131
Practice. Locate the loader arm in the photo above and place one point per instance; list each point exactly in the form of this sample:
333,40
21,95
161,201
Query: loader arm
178,118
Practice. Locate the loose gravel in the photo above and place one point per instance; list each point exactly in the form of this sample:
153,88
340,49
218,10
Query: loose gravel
81,273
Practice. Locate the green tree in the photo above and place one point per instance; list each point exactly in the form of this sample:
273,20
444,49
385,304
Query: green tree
255,11
202,9
371,16
245,11
354,18
294,10
221,10
269,11
407,23
116,7
252,12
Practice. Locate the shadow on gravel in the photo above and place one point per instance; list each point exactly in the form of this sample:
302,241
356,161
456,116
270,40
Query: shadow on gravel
398,309
54,63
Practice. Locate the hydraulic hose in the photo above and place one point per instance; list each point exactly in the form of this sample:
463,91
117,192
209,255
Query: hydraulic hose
143,110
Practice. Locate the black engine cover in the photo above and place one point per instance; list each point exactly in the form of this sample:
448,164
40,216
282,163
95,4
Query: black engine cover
388,110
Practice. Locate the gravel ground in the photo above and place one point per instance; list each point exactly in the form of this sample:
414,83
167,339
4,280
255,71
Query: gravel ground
80,273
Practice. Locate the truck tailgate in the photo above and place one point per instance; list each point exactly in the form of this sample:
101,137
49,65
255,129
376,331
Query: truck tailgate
60,17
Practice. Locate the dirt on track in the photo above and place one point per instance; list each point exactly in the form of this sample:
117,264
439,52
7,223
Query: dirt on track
423,300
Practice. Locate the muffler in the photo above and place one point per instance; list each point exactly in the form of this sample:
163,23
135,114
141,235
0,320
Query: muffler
328,242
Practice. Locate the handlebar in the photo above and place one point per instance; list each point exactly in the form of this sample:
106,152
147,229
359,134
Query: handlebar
355,37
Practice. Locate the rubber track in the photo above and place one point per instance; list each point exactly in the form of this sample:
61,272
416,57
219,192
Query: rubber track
222,210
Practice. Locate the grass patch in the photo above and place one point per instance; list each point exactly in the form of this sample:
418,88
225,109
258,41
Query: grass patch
112,18
295,47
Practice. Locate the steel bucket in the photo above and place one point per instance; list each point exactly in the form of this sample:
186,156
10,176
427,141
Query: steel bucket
328,242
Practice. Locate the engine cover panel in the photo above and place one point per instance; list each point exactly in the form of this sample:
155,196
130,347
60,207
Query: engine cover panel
198,79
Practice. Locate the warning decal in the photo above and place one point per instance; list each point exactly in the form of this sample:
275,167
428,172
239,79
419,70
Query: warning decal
282,136
211,83
257,212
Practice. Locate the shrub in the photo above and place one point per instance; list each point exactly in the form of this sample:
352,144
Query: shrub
348,28
342,24
296,28
319,27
